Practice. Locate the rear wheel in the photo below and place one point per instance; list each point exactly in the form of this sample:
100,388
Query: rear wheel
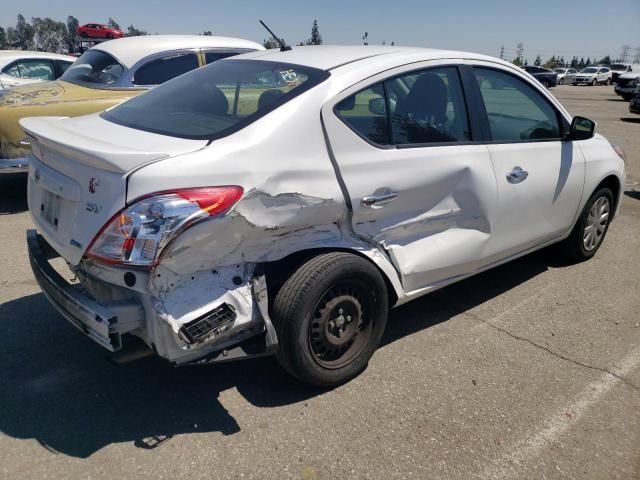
109,35
83,34
591,228
545,83
608,81
594,82
561,81
330,316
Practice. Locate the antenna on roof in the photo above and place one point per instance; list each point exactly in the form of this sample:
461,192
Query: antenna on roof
283,46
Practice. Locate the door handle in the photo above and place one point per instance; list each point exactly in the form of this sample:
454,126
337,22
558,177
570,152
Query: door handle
517,175
380,197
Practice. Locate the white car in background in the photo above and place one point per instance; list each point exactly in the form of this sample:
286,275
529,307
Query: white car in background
593,76
19,67
282,201
565,75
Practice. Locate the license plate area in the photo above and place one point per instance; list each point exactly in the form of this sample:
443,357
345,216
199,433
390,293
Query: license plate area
50,208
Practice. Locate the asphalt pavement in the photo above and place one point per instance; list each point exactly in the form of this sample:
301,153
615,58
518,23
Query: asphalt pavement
531,370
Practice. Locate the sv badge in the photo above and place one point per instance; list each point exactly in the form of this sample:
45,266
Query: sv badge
92,207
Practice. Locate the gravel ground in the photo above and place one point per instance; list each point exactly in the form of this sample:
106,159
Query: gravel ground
531,370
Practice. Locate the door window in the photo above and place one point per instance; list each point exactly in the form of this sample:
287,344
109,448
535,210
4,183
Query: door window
32,69
366,113
423,107
160,70
428,107
213,56
516,111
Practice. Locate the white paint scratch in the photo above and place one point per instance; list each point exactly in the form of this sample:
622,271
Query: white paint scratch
528,449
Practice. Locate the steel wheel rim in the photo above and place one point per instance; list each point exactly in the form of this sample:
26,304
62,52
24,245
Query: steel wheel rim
342,324
596,225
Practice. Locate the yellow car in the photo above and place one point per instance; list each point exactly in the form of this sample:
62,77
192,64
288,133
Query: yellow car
102,77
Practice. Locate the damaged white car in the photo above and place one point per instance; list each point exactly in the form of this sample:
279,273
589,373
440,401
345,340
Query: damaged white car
281,201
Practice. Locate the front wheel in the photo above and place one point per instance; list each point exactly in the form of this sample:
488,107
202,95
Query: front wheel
592,226
330,316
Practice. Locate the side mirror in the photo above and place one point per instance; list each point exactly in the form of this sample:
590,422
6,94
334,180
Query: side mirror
582,128
377,106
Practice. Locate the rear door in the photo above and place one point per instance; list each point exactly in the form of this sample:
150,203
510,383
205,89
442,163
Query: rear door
539,176
420,188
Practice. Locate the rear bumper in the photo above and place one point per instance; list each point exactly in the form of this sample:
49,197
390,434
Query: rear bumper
14,165
104,324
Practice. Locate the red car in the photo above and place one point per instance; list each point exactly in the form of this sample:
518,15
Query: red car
98,30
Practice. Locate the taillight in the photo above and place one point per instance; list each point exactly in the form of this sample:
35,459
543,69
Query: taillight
138,234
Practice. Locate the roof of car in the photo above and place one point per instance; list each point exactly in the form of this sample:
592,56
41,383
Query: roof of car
327,57
7,56
129,50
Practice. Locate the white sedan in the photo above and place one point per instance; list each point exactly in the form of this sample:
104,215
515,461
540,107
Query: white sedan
18,67
282,201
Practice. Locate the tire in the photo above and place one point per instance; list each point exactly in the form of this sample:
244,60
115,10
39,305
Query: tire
83,34
578,245
545,84
330,316
609,81
109,36
594,82
561,81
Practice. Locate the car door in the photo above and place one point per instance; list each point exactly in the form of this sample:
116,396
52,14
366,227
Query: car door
421,190
540,177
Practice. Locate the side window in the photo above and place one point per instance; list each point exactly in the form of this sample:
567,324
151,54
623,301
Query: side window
64,65
210,57
13,70
516,111
160,70
366,113
428,107
36,69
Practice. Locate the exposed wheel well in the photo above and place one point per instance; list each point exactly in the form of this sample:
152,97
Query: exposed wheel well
277,272
613,183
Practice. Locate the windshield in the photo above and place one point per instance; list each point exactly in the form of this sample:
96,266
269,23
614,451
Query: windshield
559,70
94,69
618,67
216,100
589,70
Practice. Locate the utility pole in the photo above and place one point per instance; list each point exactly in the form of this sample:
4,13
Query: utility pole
365,38
520,51
502,52
625,52
636,57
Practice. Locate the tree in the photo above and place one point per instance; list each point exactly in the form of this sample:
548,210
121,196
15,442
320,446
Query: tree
3,38
207,33
113,24
134,32
316,38
23,34
272,42
605,61
574,62
537,61
72,30
581,63
49,35
517,61
588,62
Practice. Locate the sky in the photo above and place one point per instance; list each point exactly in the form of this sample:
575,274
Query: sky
589,28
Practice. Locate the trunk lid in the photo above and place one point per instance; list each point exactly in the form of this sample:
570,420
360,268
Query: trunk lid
78,180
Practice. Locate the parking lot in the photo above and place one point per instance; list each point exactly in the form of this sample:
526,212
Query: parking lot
531,370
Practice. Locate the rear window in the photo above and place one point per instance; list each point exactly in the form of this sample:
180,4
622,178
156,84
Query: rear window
160,70
216,100
95,69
